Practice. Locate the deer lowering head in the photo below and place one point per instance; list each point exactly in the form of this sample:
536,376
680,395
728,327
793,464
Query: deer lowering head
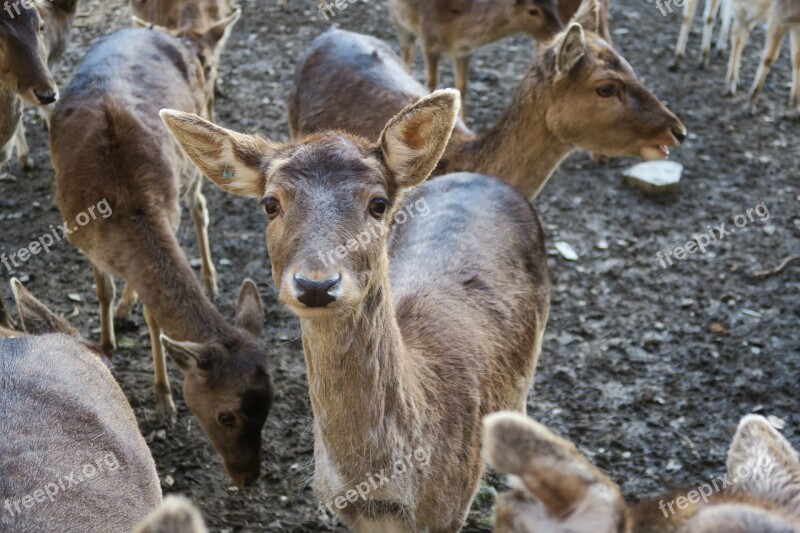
558,490
23,54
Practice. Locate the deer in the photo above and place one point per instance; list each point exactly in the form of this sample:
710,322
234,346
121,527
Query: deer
455,28
784,15
76,458
125,155
578,93
710,12
556,489
24,75
746,15
403,354
568,8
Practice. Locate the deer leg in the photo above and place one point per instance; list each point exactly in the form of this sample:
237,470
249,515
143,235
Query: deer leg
165,406
725,29
127,303
104,286
689,10
738,39
462,79
22,147
408,45
772,47
795,96
709,16
432,65
199,208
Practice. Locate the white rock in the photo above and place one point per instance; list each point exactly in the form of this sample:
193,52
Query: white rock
655,177
566,251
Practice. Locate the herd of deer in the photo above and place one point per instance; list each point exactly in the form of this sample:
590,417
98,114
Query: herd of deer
425,337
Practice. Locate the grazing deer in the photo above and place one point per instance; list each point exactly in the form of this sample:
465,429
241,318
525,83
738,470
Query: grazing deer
457,27
746,15
24,75
74,459
784,15
108,142
578,93
558,490
404,354
176,515
712,8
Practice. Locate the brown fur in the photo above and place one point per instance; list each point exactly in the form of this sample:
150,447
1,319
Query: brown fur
179,14
409,353
559,490
356,83
567,9
455,28
108,143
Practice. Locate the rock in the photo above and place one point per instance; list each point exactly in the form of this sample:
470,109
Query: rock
655,177
566,251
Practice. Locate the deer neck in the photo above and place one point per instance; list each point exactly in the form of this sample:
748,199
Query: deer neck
519,148
364,389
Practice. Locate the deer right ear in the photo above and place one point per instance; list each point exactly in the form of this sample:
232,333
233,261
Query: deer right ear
575,494
571,49
176,515
588,15
764,465
413,141
188,356
235,162
249,309
35,317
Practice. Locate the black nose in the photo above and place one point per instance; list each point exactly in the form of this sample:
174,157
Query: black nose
681,136
315,293
45,97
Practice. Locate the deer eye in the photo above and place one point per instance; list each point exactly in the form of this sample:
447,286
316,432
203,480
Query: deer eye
534,12
607,90
271,206
226,419
377,207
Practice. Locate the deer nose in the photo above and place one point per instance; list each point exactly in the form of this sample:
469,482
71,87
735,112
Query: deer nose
680,135
316,293
46,97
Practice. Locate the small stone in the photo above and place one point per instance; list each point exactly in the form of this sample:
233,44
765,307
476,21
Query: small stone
566,251
75,297
602,244
655,177
167,482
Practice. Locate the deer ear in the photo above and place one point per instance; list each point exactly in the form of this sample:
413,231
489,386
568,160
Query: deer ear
588,15
570,49
413,141
574,493
189,356
176,515
249,310
35,317
764,465
6,319
233,161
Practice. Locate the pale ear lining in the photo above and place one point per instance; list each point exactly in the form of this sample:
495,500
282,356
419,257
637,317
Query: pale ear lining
35,318
187,355
229,159
415,139
588,15
571,48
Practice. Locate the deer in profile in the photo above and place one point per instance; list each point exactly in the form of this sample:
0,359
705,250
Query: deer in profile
404,354
24,75
455,28
108,142
558,490
578,93
710,12
74,459
784,16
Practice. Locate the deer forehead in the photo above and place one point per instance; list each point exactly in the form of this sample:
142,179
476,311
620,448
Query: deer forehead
335,163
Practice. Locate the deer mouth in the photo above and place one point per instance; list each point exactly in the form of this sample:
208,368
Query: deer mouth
655,152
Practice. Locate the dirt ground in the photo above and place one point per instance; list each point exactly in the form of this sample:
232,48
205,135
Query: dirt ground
646,369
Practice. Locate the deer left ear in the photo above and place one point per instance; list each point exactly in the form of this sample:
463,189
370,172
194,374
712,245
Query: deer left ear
413,141
233,161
